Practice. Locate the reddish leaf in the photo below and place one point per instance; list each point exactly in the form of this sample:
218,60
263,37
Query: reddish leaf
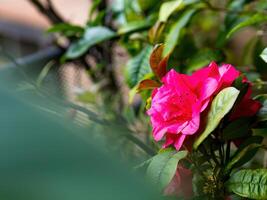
147,84
162,67
157,63
155,57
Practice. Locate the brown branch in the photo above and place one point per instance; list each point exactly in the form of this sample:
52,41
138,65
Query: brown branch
48,11
53,10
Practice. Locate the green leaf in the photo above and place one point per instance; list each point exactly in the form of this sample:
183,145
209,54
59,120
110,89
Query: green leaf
246,151
261,98
138,66
172,38
264,55
203,58
231,19
93,8
255,19
168,8
98,19
220,106
147,4
66,29
260,132
163,167
134,26
91,37
236,129
258,62
249,183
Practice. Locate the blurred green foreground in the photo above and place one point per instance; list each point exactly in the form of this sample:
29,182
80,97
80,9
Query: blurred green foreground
44,158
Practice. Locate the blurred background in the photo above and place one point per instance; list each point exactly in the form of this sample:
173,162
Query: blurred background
79,62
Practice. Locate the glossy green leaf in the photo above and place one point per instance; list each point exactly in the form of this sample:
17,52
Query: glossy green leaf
163,167
138,66
249,183
91,37
246,151
220,106
168,8
255,19
264,55
172,39
236,129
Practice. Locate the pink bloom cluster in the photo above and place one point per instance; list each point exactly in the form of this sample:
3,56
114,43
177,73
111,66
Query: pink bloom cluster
176,106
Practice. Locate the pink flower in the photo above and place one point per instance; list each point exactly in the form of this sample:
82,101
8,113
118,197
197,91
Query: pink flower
176,105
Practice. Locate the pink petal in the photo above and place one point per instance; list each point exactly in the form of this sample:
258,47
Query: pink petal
228,74
179,141
209,86
193,126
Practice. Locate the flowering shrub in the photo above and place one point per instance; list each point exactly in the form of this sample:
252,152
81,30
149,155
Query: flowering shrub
207,122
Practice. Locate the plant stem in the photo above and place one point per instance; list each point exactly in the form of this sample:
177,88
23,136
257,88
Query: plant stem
196,166
48,11
141,144
227,156
221,154
205,153
213,156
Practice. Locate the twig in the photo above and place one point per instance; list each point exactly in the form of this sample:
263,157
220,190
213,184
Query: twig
227,151
140,144
48,11
50,6
213,156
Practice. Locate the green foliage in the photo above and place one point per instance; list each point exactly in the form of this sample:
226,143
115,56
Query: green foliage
264,55
220,106
138,66
249,183
168,8
190,34
134,26
66,29
246,151
163,167
173,36
255,19
91,37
